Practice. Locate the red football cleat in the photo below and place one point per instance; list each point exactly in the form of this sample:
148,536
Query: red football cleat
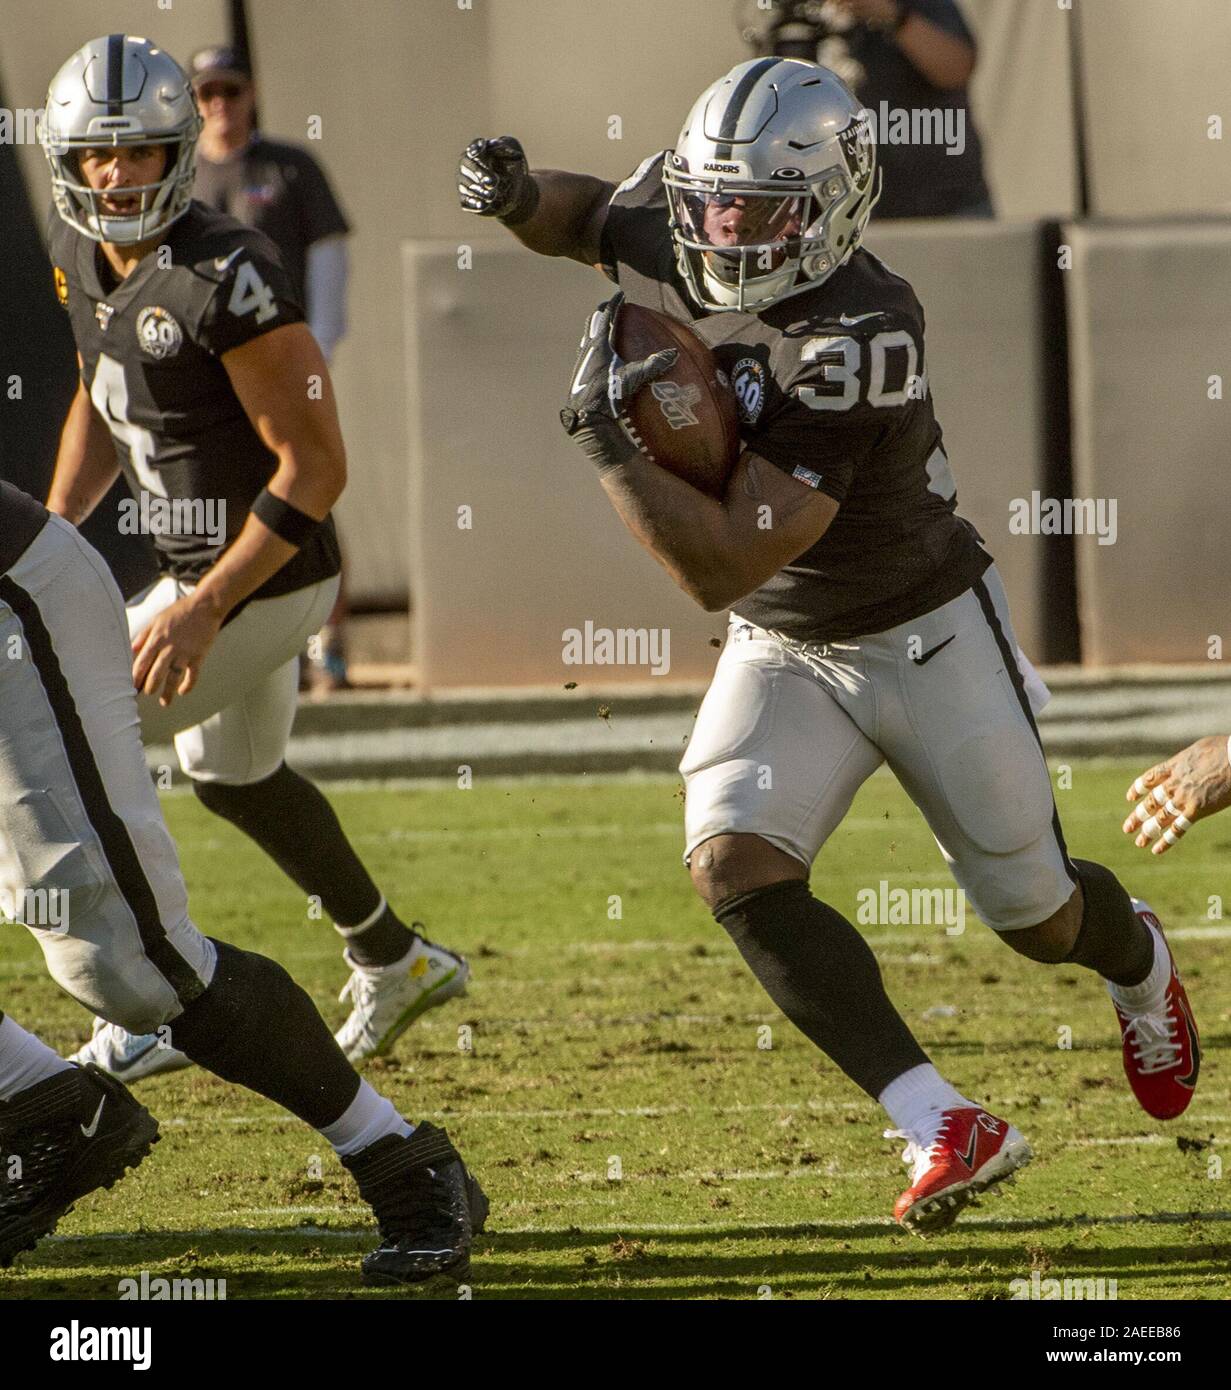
1162,1052
963,1151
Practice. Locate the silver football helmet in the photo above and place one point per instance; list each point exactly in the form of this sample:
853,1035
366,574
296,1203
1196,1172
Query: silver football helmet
120,90
770,185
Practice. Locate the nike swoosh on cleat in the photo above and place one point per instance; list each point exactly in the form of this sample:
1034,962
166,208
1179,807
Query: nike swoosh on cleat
1189,1080
118,1067
968,1158
93,1126
928,655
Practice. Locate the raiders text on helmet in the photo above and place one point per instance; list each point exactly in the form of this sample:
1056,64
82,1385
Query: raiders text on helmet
120,90
770,185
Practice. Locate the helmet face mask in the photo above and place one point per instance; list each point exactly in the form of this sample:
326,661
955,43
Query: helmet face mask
764,212
120,91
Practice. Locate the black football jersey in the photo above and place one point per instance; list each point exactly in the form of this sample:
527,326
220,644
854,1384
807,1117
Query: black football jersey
151,349
831,386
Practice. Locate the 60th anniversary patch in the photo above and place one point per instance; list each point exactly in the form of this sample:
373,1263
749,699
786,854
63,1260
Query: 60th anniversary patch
158,333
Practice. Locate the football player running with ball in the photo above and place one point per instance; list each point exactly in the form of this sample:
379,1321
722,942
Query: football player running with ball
201,381
868,624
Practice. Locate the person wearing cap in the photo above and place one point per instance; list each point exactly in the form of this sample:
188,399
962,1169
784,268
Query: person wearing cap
280,189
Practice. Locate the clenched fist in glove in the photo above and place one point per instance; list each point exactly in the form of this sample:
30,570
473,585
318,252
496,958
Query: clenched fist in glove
494,180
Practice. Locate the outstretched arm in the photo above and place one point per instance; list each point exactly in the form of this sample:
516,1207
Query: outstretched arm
548,210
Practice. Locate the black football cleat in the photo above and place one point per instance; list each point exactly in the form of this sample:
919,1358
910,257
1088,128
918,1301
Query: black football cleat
426,1203
70,1134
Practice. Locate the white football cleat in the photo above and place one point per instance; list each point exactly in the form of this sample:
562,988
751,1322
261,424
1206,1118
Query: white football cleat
128,1056
386,999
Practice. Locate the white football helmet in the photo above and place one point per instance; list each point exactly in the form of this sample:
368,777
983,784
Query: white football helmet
120,90
770,185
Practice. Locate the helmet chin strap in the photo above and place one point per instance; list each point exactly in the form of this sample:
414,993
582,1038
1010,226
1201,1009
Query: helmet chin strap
735,296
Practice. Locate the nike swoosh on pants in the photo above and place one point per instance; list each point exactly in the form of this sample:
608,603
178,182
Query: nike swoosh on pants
93,1127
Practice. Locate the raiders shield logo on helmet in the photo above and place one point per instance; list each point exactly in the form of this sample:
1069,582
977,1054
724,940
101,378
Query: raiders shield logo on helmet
857,145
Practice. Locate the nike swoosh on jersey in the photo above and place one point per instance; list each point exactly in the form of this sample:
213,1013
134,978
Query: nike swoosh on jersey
221,262
93,1126
859,318
928,655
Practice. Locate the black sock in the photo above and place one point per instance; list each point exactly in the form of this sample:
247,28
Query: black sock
291,820
255,1026
385,941
1112,939
822,974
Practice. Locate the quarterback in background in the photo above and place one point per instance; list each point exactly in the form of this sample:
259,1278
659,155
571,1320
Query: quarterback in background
869,625
201,381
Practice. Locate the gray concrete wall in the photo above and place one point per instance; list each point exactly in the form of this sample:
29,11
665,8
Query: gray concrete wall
1155,74
399,89
1147,334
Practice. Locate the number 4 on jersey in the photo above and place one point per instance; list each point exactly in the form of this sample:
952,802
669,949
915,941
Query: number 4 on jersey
251,292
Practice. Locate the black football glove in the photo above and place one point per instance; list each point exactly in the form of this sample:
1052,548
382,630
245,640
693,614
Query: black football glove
494,180
602,385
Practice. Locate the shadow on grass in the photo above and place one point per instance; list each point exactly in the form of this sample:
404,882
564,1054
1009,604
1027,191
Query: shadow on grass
807,1260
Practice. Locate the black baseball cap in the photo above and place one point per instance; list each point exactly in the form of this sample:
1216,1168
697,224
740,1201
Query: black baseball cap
219,60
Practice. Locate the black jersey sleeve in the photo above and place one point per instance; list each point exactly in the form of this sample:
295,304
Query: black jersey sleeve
252,294
636,220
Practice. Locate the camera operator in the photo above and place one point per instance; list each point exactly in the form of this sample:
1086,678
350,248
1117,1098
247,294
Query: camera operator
901,57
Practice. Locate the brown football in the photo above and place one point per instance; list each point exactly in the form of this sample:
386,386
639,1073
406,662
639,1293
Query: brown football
686,420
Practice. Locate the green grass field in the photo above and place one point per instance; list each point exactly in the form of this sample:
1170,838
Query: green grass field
747,1171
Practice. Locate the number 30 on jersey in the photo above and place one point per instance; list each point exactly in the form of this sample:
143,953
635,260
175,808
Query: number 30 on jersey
838,360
